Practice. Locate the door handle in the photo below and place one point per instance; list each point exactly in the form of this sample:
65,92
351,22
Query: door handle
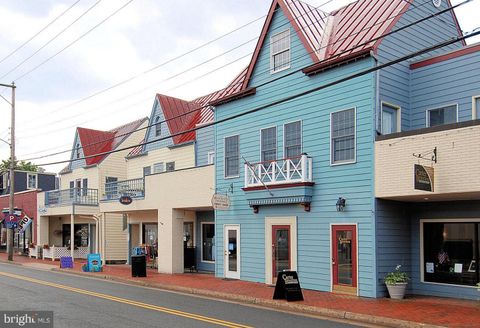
333,261
273,250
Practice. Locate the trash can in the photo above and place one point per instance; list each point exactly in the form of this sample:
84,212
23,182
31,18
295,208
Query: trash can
139,265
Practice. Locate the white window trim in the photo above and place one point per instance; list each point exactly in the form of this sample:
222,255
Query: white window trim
301,137
474,108
158,163
427,114
272,65
269,223
36,181
201,241
354,137
276,140
331,251
399,115
422,269
211,154
224,155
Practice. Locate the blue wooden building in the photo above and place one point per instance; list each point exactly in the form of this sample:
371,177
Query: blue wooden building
308,178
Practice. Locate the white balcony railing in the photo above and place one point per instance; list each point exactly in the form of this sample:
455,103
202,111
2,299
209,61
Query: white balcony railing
281,171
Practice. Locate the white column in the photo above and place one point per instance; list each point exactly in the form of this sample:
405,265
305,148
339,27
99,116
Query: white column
72,243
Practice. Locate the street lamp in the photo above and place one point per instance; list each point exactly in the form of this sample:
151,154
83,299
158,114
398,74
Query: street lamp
12,169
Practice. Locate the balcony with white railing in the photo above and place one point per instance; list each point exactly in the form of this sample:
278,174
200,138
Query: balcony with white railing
73,196
279,172
134,188
283,181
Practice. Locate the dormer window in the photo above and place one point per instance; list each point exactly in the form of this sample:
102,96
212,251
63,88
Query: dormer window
158,127
280,51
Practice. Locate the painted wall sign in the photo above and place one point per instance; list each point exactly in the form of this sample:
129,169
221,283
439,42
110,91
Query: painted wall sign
125,200
423,178
24,223
288,287
220,202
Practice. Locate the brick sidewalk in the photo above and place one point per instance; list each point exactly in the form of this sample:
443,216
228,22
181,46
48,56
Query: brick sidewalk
426,310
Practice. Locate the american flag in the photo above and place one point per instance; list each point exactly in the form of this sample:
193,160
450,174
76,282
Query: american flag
442,257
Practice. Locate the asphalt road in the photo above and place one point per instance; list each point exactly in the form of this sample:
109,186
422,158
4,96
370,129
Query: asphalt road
83,302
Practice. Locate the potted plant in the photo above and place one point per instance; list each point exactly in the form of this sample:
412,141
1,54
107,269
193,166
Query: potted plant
396,282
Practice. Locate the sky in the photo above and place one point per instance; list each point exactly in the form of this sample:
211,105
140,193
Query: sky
63,83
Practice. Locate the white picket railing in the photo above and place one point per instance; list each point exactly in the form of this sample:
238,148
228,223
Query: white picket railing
282,171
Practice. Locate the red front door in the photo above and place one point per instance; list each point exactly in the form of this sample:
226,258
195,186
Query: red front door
344,256
281,243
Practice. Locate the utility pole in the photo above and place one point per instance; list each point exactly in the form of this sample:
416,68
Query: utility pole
12,171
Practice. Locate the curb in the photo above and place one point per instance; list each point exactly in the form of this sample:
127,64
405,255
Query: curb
291,307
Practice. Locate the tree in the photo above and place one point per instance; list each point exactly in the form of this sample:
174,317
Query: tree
22,166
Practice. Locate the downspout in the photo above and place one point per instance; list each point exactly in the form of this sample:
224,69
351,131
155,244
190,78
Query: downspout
377,126
97,233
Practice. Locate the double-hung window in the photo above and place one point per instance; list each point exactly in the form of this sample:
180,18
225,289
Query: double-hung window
343,136
31,181
147,170
442,115
158,167
476,107
170,166
390,118
280,51
268,144
293,139
232,156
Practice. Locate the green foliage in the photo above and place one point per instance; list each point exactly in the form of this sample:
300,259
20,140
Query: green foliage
396,276
19,165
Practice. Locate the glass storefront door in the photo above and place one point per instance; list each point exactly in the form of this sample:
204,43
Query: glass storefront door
232,251
280,249
344,255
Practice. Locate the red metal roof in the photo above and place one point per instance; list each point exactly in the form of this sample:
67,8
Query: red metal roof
446,56
95,141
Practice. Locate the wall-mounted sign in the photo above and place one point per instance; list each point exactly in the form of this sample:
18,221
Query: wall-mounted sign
24,223
220,202
125,200
42,210
423,178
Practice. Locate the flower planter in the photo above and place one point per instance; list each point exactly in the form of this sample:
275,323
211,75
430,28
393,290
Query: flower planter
397,291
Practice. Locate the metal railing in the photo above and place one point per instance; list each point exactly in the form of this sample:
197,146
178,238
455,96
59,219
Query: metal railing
281,171
134,188
77,196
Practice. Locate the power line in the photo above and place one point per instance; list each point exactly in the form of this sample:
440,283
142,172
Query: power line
192,80
287,99
168,61
75,41
52,39
38,33
274,80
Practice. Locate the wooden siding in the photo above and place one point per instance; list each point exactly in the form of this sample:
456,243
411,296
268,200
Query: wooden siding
184,157
394,86
150,132
115,165
204,145
353,182
91,173
392,240
450,82
81,162
116,238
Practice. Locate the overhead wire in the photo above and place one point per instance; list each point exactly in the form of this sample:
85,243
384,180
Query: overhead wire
168,61
208,73
74,41
276,79
50,40
283,100
39,32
